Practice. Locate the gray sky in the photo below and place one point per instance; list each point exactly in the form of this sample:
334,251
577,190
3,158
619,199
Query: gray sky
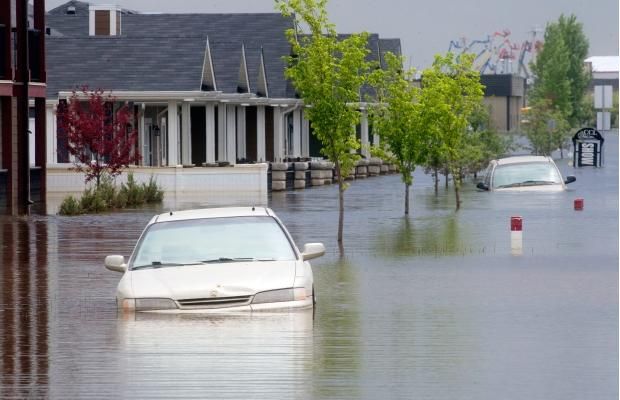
427,27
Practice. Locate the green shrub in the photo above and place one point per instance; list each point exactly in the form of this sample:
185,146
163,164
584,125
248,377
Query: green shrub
133,191
106,196
152,192
120,201
70,206
92,201
107,192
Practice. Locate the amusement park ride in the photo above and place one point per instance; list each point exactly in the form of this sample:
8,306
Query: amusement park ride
497,53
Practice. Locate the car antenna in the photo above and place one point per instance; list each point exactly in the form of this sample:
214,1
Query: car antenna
252,208
170,212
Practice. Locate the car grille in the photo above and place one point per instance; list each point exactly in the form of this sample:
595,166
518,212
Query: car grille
215,302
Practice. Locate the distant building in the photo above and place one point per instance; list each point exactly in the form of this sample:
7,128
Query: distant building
604,70
604,89
204,87
504,95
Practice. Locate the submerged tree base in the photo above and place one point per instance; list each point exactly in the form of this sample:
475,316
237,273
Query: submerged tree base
106,197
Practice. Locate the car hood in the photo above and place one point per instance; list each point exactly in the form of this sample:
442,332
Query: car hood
533,188
212,280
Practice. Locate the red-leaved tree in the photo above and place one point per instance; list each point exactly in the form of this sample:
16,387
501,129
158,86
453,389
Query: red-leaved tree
100,138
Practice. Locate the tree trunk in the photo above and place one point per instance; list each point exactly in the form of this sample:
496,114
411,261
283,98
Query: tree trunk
407,198
447,178
436,175
457,186
340,203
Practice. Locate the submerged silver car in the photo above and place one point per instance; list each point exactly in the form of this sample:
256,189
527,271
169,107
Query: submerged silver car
524,173
222,259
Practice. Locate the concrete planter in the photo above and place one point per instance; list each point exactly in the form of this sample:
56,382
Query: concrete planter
279,166
278,176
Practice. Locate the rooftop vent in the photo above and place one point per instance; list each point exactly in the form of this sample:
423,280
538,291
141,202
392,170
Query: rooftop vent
71,10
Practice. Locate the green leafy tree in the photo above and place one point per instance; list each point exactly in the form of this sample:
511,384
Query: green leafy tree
397,117
560,86
483,141
578,77
328,73
547,127
551,69
451,92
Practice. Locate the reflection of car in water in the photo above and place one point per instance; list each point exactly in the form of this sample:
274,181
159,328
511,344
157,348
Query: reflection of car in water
267,355
524,173
221,259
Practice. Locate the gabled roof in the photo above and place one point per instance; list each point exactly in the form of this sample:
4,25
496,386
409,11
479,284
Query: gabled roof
227,34
118,63
159,52
81,8
226,60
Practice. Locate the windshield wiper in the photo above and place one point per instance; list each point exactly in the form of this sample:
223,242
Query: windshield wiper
159,264
228,259
527,183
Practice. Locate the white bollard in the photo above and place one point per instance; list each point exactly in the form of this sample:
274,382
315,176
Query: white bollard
516,236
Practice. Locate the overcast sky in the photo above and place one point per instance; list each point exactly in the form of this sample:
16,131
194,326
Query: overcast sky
426,27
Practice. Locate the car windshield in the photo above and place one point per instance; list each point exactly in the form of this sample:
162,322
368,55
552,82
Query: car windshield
212,240
525,174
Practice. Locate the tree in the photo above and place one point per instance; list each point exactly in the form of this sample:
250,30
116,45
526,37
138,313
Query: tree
560,85
551,70
100,138
328,73
451,92
487,143
397,116
578,77
547,127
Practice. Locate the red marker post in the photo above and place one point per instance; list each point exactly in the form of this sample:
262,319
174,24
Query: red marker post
516,236
578,204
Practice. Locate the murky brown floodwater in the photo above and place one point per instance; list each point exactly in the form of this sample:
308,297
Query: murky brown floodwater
431,306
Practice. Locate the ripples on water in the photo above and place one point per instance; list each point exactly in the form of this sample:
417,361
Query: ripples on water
431,306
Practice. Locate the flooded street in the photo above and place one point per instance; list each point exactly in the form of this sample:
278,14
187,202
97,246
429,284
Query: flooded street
432,306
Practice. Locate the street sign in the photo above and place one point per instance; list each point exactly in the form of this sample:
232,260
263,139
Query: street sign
603,120
602,96
588,148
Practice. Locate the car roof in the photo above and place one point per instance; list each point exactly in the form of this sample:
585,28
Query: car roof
523,159
222,212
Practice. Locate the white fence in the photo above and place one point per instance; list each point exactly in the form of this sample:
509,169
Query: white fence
242,184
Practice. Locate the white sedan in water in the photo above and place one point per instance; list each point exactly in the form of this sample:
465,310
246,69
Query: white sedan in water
220,259
524,173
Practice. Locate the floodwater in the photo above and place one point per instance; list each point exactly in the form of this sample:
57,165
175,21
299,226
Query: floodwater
432,306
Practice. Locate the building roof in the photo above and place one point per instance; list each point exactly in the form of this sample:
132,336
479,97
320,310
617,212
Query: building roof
604,63
143,64
163,52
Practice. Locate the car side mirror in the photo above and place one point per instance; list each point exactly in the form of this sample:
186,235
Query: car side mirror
312,250
115,263
482,186
570,179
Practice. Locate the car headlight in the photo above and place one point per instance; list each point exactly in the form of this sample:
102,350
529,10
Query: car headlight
155,304
280,295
